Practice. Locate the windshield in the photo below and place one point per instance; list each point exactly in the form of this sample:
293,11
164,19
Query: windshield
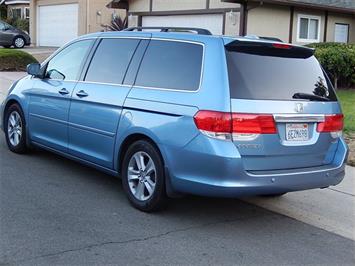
277,78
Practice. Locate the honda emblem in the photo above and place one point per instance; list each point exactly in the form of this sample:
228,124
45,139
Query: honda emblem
299,107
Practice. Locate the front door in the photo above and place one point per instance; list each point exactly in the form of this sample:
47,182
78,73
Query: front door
97,102
50,96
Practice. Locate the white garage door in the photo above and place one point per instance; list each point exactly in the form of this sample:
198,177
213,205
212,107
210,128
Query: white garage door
212,22
57,24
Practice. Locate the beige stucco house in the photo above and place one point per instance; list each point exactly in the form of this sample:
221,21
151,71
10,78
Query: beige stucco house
300,21
296,21
17,9
54,22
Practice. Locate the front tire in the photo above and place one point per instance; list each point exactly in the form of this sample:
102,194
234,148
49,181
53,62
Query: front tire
19,42
15,129
143,176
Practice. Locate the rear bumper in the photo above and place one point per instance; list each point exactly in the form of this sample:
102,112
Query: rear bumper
224,176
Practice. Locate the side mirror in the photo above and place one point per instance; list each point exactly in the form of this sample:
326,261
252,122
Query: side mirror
34,69
55,74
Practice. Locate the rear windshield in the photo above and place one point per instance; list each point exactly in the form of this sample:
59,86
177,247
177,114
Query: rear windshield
260,77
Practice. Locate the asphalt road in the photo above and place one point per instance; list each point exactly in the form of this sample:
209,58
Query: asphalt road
57,212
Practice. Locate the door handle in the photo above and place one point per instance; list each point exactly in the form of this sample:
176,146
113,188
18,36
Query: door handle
63,91
82,94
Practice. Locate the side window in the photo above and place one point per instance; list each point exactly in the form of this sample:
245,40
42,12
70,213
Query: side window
2,26
171,65
111,60
66,65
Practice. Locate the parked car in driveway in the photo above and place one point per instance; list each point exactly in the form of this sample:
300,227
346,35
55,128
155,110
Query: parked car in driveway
11,36
174,113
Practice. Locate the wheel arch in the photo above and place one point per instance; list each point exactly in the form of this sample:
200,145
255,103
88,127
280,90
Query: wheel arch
7,105
131,139
170,191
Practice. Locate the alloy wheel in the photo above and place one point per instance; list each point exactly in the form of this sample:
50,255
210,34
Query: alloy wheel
14,128
19,42
141,176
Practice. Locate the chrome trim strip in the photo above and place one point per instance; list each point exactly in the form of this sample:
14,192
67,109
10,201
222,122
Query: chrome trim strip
94,130
49,119
85,128
302,173
104,83
299,118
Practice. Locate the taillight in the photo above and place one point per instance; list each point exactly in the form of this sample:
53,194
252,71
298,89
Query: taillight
214,124
223,125
253,123
332,123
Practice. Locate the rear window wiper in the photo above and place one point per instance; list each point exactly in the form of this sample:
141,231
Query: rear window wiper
311,97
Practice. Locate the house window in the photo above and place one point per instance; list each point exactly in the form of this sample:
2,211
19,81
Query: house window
27,12
16,13
341,32
308,28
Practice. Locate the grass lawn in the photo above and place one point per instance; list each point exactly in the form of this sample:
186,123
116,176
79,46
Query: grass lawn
15,60
347,100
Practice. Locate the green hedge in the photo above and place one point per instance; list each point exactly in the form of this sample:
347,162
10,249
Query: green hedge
15,60
338,60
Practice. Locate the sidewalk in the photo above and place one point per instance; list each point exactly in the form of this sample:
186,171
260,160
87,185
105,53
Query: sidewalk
332,209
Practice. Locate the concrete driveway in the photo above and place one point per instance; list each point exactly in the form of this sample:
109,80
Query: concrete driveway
54,211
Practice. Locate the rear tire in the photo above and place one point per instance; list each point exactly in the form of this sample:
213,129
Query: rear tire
143,177
15,129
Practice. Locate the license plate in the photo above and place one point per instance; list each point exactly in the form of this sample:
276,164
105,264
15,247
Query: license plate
297,132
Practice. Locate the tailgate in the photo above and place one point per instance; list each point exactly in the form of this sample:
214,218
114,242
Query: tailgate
280,101
296,142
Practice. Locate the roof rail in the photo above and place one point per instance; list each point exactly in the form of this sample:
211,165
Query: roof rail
167,29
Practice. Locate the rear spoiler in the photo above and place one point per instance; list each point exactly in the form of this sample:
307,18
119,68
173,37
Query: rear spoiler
269,49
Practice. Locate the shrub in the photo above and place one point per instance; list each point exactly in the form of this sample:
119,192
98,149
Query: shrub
338,60
117,24
22,24
15,60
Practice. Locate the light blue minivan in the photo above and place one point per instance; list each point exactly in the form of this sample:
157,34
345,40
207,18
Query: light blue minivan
185,112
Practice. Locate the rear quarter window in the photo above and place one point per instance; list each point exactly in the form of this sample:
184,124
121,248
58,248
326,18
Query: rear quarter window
171,65
263,77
